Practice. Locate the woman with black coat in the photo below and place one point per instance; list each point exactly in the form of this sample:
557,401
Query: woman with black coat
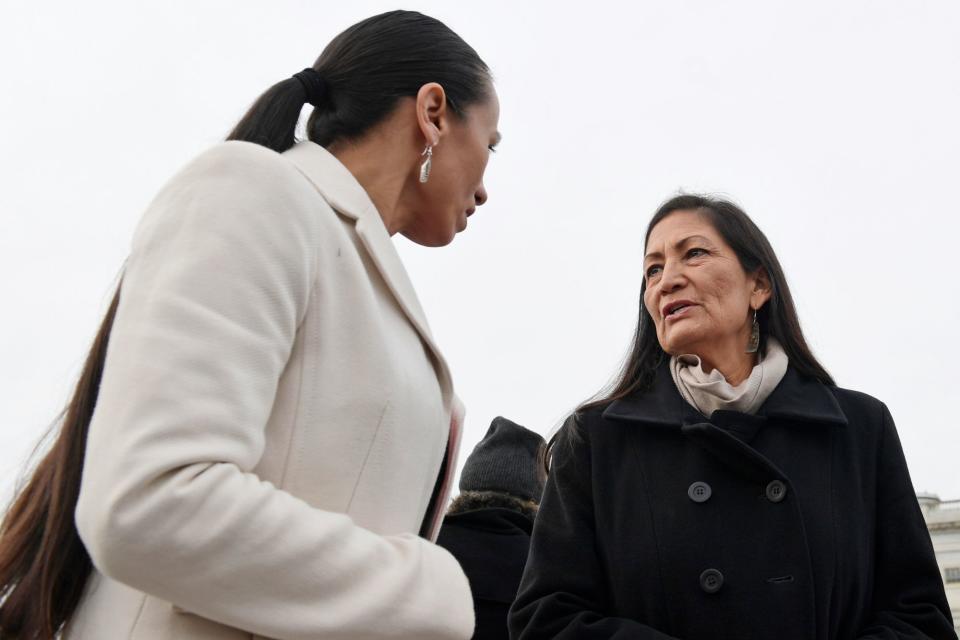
725,487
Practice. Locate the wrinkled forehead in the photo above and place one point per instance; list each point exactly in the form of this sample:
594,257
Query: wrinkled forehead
677,227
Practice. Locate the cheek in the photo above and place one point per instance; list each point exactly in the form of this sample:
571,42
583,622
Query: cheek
440,192
727,303
473,162
454,177
650,306
650,303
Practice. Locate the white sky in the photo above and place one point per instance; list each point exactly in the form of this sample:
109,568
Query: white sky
835,124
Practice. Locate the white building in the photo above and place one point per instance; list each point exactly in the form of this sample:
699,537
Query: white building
943,521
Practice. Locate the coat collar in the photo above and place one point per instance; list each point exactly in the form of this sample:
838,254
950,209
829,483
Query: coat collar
493,519
795,398
349,199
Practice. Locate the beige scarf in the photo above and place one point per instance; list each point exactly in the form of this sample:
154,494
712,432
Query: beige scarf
709,392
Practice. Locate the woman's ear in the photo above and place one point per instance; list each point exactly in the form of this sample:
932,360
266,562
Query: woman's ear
762,288
432,112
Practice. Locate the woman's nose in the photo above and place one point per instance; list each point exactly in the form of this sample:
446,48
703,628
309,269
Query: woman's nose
480,196
671,279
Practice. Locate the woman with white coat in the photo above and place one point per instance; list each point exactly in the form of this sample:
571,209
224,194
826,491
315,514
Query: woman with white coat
265,427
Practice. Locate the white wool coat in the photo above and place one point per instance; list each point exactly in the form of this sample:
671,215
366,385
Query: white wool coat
272,423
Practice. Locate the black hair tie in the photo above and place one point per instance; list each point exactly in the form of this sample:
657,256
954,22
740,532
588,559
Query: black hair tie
314,86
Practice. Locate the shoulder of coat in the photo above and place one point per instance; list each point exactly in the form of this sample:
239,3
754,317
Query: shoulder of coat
240,155
251,165
588,415
588,425
252,171
857,405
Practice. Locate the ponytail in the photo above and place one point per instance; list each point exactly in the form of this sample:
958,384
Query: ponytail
43,563
272,120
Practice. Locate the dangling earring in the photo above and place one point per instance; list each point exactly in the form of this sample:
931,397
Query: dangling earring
754,343
425,167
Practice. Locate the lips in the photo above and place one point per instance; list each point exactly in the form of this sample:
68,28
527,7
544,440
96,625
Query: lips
675,308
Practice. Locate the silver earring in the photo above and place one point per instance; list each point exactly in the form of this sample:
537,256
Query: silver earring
425,167
754,343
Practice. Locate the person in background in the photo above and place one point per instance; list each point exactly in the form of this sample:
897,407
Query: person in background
264,433
487,527
726,487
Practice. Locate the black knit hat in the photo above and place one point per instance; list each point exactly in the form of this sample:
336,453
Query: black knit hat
506,460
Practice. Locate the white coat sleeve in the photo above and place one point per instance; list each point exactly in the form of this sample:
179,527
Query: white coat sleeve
218,280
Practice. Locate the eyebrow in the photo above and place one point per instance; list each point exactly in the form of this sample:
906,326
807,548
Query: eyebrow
677,245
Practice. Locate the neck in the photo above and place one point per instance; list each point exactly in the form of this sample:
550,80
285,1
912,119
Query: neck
382,165
735,367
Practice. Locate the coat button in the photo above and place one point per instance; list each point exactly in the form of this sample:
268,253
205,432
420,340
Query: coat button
711,580
776,491
699,492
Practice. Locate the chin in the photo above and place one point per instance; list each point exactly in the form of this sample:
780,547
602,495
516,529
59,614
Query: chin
679,343
431,240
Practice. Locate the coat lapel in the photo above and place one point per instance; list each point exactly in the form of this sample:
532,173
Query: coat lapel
795,398
726,434
805,400
660,406
347,197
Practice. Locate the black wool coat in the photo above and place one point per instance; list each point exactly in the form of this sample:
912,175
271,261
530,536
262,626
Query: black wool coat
491,546
799,522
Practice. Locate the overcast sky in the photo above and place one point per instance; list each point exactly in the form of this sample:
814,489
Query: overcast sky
835,124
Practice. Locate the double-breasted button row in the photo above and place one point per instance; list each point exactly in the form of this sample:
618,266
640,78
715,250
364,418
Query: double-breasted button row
700,491
711,580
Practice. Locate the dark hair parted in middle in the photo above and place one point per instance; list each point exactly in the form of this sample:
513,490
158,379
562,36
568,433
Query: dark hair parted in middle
366,70
778,317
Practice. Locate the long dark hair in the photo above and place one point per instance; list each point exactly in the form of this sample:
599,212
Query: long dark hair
366,70
778,317
43,563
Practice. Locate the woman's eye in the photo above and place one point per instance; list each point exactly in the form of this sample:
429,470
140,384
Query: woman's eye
492,147
653,270
696,252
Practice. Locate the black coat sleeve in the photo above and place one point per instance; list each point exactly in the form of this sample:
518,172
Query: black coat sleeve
563,593
908,595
